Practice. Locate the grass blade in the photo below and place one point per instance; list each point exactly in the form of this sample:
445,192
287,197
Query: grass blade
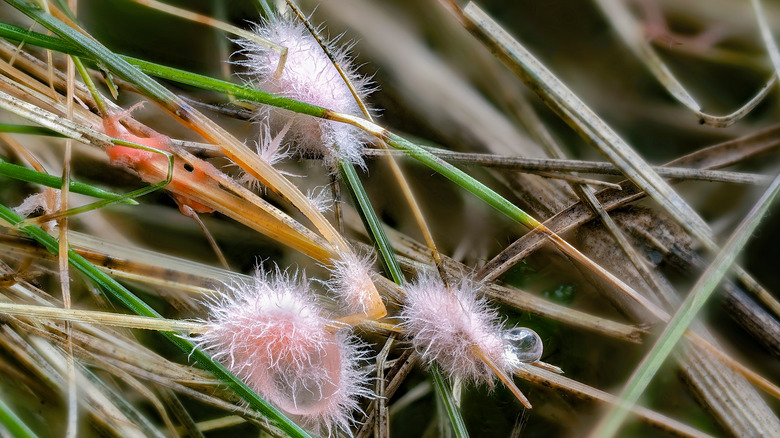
27,129
445,394
371,221
98,317
13,423
32,176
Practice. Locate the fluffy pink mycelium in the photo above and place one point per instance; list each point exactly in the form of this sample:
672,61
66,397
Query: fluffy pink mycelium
445,324
273,336
308,76
351,281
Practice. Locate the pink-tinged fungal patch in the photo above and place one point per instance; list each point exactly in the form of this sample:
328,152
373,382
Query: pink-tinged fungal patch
272,334
152,167
308,76
446,324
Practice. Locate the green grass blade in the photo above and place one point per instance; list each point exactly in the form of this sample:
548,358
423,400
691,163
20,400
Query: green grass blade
33,176
239,91
28,129
268,10
165,72
13,423
443,389
139,307
371,222
16,33
90,84
135,193
685,315
462,179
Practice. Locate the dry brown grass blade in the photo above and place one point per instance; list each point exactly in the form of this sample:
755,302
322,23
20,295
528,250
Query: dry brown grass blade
123,261
144,370
219,423
733,401
503,377
587,196
382,424
578,180
550,165
95,317
174,404
531,303
23,61
755,378
753,317
125,358
720,155
402,367
149,395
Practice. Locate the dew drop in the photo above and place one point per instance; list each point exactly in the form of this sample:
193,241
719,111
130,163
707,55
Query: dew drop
521,345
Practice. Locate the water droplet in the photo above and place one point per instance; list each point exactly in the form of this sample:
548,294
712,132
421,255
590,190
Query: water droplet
521,345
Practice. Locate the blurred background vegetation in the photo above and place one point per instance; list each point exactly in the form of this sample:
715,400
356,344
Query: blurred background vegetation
439,86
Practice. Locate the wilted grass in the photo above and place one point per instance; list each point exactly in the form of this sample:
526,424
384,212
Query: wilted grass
600,273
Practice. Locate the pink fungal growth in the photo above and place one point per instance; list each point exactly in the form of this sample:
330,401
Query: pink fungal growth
308,76
351,282
448,324
152,167
126,156
273,336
